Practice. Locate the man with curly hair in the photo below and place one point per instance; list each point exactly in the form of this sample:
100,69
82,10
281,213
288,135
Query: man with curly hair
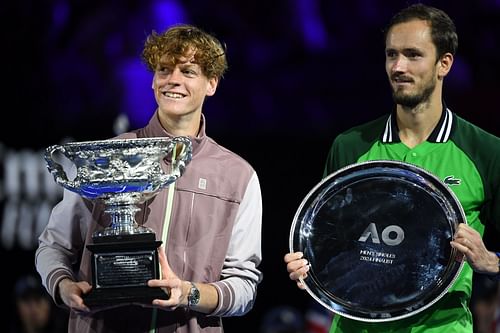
209,220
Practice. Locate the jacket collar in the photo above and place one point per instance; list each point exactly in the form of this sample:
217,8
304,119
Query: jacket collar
440,134
155,129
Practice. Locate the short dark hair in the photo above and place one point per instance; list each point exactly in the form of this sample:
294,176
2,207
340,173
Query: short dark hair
29,287
443,30
176,41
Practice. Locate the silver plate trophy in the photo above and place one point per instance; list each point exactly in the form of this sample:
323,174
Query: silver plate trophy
121,173
377,236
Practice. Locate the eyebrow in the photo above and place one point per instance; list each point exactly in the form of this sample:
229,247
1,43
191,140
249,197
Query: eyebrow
406,49
178,63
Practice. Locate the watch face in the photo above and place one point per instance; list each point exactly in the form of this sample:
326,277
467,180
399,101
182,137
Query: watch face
377,236
194,296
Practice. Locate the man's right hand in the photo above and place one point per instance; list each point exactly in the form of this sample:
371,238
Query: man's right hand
71,292
297,267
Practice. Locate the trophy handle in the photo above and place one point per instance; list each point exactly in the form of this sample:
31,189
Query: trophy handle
180,157
56,169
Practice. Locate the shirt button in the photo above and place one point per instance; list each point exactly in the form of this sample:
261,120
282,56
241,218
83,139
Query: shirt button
414,154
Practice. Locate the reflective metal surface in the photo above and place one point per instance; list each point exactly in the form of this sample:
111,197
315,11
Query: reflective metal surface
121,172
377,237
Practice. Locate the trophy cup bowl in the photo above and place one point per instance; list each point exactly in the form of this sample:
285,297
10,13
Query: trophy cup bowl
121,173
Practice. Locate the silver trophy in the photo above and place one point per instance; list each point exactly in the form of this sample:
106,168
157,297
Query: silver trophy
122,174
377,236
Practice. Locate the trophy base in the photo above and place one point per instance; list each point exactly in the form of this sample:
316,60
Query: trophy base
115,296
121,267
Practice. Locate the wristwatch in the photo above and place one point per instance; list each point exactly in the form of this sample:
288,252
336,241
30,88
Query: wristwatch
193,296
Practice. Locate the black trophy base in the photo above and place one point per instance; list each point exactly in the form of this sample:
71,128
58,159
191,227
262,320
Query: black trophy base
116,296
121,267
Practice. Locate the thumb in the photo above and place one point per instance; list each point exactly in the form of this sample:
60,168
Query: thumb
84,286
165,267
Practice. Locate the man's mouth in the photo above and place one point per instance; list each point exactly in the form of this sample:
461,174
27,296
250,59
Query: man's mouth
173,95
402,79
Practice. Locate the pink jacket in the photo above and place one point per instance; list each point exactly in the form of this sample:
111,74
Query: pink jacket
214,237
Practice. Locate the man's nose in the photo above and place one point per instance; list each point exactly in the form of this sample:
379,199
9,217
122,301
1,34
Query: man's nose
174,76
400,64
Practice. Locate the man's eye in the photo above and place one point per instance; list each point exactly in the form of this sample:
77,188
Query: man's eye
413,55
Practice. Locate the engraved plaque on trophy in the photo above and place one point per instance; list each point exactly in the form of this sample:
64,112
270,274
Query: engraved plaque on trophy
121,173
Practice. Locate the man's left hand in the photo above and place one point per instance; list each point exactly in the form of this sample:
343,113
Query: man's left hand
469,242
171,283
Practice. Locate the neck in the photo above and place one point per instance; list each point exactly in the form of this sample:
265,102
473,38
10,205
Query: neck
186,125
416,124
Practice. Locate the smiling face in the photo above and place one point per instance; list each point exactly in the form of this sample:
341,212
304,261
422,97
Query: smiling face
414,72
180,88
188,64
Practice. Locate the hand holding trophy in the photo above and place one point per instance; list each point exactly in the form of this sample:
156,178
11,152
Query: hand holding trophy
122,173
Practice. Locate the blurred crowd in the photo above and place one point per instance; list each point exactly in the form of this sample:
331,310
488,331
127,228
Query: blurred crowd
299,70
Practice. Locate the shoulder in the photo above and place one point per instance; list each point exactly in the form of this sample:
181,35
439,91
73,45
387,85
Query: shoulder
480,146
349,145
225,158
361,136
471,137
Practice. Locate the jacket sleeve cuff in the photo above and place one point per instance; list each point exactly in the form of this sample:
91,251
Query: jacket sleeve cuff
53,285
226,301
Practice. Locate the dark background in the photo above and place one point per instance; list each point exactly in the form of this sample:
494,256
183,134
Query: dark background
300,72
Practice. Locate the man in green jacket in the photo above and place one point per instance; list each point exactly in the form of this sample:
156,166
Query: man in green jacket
420,45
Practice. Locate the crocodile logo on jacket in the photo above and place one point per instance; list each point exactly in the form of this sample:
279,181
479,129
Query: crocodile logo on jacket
450,180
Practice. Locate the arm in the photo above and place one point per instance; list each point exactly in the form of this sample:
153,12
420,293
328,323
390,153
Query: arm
180,290
238,287
60,244
235,293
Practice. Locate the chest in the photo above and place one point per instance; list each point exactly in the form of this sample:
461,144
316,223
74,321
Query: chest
445,161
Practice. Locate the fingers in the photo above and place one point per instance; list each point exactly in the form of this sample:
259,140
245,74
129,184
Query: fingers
469,243
300,272
172,302
301,284
465,233
169,282
71,294
168,278
76,303
461,249
84,286
289,257
297,267
462,243
165,267
172,289
467,240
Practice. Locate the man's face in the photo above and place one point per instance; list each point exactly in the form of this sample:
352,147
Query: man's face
180,89
410,62
34,312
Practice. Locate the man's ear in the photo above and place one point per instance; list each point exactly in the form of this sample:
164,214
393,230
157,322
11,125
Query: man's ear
444,65
212,86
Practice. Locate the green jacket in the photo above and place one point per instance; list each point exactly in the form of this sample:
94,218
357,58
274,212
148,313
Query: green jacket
467,159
